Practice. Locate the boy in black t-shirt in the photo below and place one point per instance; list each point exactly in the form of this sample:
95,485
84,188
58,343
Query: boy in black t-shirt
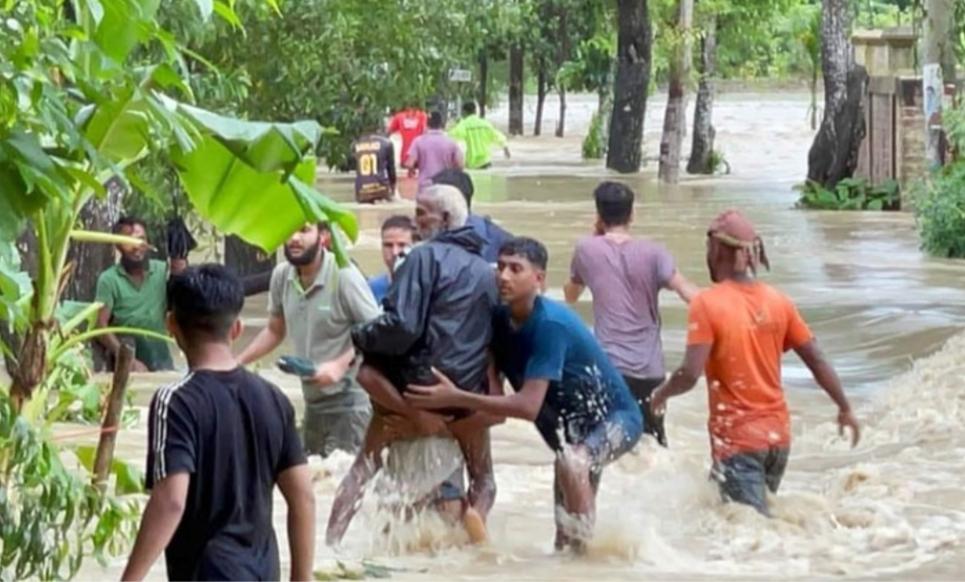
218,442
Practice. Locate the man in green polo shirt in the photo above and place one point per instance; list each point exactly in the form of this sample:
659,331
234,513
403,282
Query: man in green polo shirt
133,294
479,136
315,303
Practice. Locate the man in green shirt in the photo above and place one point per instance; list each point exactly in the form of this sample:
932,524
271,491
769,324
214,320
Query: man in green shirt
479,136
314,302
133,294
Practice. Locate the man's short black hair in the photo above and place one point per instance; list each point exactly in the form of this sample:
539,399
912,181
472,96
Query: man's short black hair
469,107
614,203
128,221
323,226
459,179
400,221
435,120
205,300
528,248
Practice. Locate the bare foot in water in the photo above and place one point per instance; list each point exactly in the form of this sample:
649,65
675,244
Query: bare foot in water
475,526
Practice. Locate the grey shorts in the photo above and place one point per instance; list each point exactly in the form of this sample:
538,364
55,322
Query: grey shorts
325,432
746,477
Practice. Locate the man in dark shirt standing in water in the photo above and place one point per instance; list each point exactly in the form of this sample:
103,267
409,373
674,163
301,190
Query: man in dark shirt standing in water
219,441
375,178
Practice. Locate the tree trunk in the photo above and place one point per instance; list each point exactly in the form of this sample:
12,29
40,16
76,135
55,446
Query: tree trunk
541,90
604,105
483,83
561,122
814,99
516,90
834,153
675,117
563,54
938,69
634,44
702,146
90,260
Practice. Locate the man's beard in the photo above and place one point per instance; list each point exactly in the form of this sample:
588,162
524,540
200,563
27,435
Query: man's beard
430,233
130,264
306,257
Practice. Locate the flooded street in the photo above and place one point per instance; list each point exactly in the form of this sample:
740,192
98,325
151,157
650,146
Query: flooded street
886,315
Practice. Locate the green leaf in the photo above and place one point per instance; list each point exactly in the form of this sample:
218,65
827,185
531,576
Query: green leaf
72,314
238,199
228,14
241,172
15,285
124,25
118,129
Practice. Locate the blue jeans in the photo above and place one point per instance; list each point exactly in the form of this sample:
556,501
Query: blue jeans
746,477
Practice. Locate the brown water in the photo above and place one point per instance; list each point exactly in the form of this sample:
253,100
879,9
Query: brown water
885,314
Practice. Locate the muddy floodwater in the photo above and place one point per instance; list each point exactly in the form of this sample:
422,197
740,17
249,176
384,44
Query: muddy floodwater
888,317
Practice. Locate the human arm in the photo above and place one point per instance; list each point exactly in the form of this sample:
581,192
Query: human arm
682,380
394,125
682,286
700,341
481,420
524,404
500,139
170,463
161,518
573,288
296,487
330,372
104,295
269,338
827,378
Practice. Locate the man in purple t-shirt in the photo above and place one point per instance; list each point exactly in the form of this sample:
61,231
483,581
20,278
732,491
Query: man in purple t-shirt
433,152
625,275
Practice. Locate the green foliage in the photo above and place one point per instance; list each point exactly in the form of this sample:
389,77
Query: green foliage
850,194
593,146
954,121
49,516
347,64
940,200
719,163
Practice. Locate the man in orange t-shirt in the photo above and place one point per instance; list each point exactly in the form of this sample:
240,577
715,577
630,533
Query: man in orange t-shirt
738,331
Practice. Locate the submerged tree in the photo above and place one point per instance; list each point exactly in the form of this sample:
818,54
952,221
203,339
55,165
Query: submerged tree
675,116
630,85
834,153
702,145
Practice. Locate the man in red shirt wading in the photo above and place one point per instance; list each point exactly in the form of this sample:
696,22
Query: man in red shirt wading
738,330
409,123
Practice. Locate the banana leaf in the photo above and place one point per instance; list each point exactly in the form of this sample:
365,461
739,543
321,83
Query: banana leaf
253,179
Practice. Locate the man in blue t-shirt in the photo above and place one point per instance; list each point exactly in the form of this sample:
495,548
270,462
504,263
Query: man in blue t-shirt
397,238
494,235
563,382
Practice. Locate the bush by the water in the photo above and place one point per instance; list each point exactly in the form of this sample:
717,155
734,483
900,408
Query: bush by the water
593,146
940,201
850,194
940,208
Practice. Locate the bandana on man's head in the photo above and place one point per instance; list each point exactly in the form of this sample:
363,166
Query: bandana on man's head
734,230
